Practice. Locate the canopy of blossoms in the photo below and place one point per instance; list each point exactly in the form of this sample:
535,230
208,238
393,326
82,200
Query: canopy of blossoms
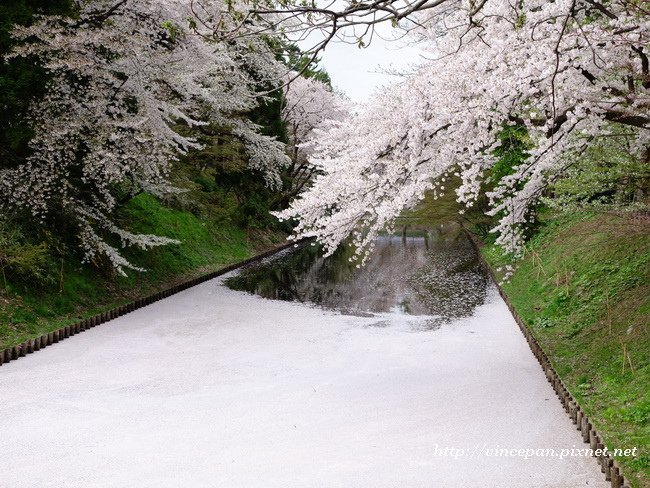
570,71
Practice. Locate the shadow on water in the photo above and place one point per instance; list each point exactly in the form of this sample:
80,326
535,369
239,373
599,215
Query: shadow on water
426,271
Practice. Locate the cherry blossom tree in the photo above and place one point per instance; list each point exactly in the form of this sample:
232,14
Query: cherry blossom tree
569,71
310,107
123,75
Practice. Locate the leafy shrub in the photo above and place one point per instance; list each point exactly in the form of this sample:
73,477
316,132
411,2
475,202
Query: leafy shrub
20,258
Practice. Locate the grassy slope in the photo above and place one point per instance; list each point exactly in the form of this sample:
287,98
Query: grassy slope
206,244
584,290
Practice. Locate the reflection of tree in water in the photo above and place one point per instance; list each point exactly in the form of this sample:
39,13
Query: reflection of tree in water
434,273
452,282
301,275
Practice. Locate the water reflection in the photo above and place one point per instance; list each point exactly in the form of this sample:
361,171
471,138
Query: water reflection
433,272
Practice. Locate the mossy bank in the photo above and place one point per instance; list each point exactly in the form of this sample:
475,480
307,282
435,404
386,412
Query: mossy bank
71,290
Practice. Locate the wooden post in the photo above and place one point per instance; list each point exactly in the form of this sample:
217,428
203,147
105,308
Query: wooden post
592,439
609,464
615,477
601,458
585,429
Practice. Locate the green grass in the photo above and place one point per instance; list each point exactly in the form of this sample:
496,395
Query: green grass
583,288
209,241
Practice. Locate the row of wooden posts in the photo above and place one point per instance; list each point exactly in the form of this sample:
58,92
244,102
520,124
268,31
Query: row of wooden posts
608,465
32,345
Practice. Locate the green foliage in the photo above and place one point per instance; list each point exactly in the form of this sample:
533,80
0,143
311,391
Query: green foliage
172,29
442,209
605,176
21,260
221,171
268,115
302,63
21,80
511,152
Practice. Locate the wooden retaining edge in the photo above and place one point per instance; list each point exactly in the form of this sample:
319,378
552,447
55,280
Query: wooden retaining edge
608,465
32,345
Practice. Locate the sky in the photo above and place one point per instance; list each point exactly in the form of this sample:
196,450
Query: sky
356,71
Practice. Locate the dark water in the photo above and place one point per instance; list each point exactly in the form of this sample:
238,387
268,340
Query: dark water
433,272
